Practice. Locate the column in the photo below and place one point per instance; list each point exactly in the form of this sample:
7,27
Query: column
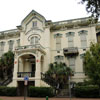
38,71
14,82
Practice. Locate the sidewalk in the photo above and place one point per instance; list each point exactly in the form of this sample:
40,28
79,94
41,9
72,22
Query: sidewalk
22,98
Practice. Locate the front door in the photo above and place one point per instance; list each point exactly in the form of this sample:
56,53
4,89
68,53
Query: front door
33,69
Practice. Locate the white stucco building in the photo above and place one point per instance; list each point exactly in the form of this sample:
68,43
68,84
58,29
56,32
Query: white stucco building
37,42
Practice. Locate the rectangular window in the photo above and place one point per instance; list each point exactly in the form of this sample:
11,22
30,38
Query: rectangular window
1,48
11,42
72,63
35,24
83,40
58,43
70,41
18,42
59,59
36,40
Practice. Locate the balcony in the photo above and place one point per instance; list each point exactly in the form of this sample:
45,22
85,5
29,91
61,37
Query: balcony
36,46
30,48
23,74
70,51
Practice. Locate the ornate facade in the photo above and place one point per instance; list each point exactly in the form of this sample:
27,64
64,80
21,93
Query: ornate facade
37,42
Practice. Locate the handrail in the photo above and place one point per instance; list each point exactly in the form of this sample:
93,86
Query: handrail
23,74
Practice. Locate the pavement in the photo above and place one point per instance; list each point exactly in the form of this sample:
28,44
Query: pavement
22,98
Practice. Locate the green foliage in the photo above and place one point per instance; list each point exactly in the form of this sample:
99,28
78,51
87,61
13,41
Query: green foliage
92,63
92,6
58,73
8,91
6,64
88,91
40,91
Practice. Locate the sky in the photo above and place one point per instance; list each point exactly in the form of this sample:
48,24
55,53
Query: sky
12,12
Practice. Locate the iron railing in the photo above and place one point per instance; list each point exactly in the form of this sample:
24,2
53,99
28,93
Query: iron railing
23,74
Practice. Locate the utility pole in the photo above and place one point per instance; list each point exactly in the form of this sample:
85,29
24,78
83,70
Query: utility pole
69,88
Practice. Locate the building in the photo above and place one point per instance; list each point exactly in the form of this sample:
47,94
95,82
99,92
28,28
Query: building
37,42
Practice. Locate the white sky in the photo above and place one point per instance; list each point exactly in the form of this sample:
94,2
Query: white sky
12,12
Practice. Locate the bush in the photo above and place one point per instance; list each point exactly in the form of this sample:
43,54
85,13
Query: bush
40,91
8,91
90,91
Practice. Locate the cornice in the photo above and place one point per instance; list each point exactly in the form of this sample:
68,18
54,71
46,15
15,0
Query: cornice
71,24
9,34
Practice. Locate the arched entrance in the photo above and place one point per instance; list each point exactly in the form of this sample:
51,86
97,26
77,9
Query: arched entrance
26,67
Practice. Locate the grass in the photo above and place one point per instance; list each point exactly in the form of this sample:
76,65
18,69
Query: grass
0,99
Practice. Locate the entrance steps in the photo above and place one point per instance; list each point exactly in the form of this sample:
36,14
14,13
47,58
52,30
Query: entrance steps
63,93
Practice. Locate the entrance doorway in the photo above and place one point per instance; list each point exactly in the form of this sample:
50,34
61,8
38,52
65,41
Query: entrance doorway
21,87
26,66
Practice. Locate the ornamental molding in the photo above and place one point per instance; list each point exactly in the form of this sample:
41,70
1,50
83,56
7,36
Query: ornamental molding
9,35
34,30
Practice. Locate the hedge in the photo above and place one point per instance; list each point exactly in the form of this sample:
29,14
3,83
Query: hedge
89,91
8,91
40,91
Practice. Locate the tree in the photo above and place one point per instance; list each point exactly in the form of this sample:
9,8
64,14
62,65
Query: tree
92,6
7,64
92,63
58,73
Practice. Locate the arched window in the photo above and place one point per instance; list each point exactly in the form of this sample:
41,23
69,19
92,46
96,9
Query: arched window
34,40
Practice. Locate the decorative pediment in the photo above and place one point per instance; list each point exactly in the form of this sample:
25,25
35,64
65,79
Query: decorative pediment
70,34
33,14
57,35
83,32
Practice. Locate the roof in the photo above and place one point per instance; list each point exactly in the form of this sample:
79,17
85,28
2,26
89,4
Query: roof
32,12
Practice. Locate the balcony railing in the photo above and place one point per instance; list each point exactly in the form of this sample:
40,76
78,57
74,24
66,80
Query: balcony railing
23,74
36,46
70,51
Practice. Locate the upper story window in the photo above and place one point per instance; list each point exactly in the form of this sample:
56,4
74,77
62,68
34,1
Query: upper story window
34,24
2,48
59,58
98,37
58,41
11,42
83,38
72,63
34,40
18,42
70,36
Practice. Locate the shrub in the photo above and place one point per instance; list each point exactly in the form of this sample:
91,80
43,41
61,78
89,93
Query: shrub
40,91
8,91
90,91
